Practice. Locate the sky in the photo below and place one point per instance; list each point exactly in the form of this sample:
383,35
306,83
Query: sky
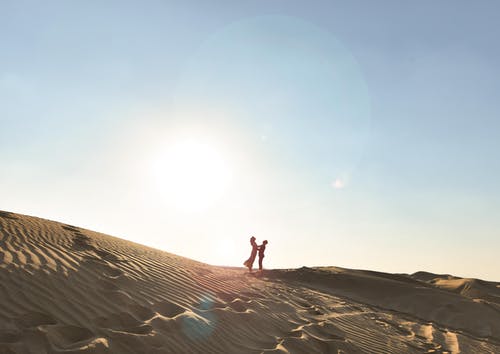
359,134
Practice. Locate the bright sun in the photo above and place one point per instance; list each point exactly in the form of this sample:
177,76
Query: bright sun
191,175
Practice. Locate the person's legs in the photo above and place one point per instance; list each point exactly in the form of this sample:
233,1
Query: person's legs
250,263
260,262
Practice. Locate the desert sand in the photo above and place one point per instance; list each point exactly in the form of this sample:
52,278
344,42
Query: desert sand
64,289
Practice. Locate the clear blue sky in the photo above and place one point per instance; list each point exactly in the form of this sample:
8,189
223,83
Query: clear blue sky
360,134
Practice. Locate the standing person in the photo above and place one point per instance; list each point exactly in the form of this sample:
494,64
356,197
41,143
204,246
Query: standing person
249,262
262,248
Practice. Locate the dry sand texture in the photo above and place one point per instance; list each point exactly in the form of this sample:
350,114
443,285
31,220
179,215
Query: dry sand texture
64,289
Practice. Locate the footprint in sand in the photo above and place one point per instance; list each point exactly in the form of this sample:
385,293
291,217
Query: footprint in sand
237,302
82,242
295,333
168,309
108,256
99,266
304,305
123,322
325,331
112,273
107,285
226,297
67,337
238,305
328,331
229,297
141,312
216,304
71,228
395,326
315,311
120,297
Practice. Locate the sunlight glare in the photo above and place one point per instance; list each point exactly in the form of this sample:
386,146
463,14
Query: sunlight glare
191,175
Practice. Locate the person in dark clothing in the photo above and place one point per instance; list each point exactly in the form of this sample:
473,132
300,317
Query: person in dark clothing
262,248
249,262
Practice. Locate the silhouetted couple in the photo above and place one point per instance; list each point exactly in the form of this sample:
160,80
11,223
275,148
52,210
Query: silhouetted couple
255,248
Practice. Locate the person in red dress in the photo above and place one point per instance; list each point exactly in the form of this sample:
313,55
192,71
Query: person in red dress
249,262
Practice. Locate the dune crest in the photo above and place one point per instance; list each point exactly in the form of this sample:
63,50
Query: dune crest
64,289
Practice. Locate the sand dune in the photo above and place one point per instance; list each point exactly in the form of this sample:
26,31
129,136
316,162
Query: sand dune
64,289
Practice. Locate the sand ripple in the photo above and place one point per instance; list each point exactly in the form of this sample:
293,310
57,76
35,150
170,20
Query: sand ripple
64,289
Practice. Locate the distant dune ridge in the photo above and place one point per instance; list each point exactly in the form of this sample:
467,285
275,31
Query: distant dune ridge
64,289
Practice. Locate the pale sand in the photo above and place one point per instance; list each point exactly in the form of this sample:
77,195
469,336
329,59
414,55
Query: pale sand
64,289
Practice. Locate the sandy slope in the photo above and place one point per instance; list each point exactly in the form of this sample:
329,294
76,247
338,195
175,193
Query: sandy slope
65,289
